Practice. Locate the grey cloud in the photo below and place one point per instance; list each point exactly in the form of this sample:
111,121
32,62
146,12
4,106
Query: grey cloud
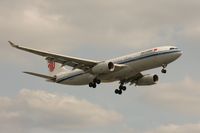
69,24
127,22
34,110
182,97
174,128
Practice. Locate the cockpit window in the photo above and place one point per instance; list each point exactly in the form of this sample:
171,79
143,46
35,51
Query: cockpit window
173,48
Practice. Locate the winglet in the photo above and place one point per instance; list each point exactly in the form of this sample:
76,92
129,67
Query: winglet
12,44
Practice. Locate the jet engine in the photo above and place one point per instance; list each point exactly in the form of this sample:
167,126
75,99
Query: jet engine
103,67
147,80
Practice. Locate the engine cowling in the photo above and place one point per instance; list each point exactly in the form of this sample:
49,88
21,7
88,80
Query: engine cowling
147,80
103,67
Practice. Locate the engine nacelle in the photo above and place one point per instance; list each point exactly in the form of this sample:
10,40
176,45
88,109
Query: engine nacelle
103,67
147,80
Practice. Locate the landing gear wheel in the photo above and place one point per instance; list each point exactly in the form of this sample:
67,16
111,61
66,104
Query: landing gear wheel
124,88
94,85
98,81
118,91
164,71
90,85
121,87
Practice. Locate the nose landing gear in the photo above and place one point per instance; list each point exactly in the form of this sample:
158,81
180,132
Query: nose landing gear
164,70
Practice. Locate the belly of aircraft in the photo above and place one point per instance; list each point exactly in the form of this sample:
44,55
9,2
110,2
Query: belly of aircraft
132,69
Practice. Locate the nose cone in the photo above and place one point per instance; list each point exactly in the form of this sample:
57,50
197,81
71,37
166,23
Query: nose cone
179,53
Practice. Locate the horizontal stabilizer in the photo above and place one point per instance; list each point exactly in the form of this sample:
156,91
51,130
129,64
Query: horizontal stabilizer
13,45
49,78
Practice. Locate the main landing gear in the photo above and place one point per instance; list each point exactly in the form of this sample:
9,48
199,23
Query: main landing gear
94,83
121,88
164,70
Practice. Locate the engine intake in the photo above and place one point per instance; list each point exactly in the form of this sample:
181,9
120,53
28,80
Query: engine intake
103,67
147,80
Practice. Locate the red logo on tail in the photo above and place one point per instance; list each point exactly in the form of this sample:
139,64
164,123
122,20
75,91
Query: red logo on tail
51,66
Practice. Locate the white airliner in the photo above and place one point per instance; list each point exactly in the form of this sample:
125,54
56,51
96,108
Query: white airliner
125,69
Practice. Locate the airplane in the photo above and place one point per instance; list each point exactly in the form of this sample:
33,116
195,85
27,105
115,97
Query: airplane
125,69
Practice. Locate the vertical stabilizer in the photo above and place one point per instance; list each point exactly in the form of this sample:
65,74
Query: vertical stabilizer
55,68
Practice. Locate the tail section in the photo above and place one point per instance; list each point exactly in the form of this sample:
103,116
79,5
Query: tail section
55,68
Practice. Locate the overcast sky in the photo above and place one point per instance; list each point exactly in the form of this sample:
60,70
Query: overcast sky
99,30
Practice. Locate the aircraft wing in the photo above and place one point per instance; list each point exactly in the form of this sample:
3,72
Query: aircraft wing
74,62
